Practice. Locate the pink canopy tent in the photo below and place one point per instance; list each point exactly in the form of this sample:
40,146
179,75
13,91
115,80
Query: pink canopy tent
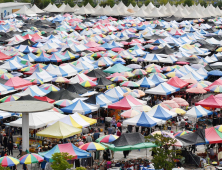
18,83
177,82
211,101
126,103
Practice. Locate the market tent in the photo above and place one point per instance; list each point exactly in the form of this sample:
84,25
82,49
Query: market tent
163,89
26,97
211,101
62,94
35,91
35,9
161,113
67,147
40,119
100,99
76,120
77,88
217,82
116,92
59,130
18,83
80,107
198,111
45,99
97,73
4,114
126,103
177,82
147,83
129,139
196,138
143,120
117,68
103,81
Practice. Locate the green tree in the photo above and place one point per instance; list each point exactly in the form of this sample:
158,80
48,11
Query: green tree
164,154
147,2
203,3
4,168
163,2
85,2
70,2
60,161
25,1
188,2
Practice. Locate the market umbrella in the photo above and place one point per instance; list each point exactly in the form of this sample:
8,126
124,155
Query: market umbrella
31,158
196,90
92,146
8,161
171,103
60,80
107,139
129,84
119,79
180,101
88,83
36,81
10,98
134,94
140,92
181,133
130,113
139,72
63,103
216,88
178,111
50,87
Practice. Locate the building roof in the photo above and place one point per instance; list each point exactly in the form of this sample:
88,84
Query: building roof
11,4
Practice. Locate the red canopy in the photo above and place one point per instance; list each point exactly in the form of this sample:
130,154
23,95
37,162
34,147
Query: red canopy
4,56
18,83
177,82
212,135
217,82
45,99
211,101
125,104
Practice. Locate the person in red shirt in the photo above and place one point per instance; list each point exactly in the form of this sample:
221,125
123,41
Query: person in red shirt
119,125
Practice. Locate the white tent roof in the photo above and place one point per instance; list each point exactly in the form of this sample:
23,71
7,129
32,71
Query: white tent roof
40,119
53,8
155,13
62,7
140,13
67,8
25,10
83,11
48,7
194,14
36,9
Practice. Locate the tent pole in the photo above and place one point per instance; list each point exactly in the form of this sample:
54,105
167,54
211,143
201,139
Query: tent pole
146,152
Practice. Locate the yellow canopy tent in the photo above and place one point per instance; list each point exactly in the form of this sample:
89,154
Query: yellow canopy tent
59,130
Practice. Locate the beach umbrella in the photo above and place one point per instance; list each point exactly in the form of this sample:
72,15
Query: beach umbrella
31,158
2,71
63,103
153,70
129,84
127,74
181,133
140,92
60,80
178,111
130,113
92,146
9,98
8,161
107,139
119,79
158,74
88,83
198,85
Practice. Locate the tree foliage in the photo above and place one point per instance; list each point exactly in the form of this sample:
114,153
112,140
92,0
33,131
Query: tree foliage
147,2
188,2
85,2
163,2
203,3
60,161
164,154
4,168
128,2
70,2
110,3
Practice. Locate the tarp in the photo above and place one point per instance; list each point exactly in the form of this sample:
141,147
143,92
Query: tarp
67,147
211,101
59,130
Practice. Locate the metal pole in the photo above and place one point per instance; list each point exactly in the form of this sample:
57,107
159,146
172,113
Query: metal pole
25,132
